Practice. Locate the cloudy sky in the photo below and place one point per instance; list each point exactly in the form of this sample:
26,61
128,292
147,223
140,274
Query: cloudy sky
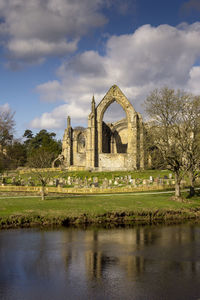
55,54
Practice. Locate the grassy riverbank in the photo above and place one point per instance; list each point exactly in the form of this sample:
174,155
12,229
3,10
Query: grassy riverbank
116,209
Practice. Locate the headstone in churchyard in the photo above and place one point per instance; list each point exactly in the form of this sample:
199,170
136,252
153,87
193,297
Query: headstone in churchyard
105,183
30,181
56,181
77,182
61,184
116,182
144,182
170,175
13,180
22,182
60,180
133,182
151,178
51,183
85,182
69,180
110,181
165,177
95,179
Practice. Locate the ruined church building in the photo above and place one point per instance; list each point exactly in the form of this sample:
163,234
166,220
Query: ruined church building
106,146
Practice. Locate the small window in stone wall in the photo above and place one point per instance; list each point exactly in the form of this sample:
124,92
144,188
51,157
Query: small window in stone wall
81,143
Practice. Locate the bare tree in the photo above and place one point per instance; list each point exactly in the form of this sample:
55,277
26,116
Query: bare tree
191,128
7,124
40,160
175,129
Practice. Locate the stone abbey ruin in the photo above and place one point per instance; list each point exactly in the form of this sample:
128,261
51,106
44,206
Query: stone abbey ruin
106,146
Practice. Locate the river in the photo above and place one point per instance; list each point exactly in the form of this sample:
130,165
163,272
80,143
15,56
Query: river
142,262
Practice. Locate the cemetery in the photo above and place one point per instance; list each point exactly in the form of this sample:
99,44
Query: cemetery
89,182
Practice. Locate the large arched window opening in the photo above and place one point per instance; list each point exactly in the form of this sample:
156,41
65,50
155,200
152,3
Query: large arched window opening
81,143
114,129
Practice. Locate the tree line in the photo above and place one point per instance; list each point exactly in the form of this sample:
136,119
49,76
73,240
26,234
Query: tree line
22,152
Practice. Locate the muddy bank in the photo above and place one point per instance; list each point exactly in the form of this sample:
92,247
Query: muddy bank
106,219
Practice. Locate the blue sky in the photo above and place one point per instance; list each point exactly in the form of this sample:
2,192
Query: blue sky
55,54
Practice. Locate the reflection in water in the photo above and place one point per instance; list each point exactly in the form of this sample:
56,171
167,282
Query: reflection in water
137,263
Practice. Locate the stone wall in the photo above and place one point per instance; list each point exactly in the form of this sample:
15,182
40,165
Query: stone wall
92,190
114,161
80,159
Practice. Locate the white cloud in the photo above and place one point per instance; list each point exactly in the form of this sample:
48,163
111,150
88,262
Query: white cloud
57,118
35,29
194,80
149,58
5,108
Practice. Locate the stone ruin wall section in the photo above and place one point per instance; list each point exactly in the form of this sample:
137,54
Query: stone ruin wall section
128,160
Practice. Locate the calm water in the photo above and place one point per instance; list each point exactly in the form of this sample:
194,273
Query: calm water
138,263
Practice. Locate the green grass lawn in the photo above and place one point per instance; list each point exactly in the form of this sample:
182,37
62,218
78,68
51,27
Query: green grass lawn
74,206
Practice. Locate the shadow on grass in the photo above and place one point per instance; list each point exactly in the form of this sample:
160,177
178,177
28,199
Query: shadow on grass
193,193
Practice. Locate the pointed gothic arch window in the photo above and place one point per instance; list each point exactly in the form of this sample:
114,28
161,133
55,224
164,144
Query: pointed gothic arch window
114,132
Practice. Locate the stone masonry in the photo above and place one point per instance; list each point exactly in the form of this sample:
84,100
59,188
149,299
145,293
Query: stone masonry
106,146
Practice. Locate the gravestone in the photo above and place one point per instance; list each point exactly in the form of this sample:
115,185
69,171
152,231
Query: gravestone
56,181
144,182
51,182
95,179
85,183
116,182
13,180
151,178
105,183
69,180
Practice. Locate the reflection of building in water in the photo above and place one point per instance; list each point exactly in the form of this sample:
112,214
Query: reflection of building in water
128,247
130,253
93,263
97,260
